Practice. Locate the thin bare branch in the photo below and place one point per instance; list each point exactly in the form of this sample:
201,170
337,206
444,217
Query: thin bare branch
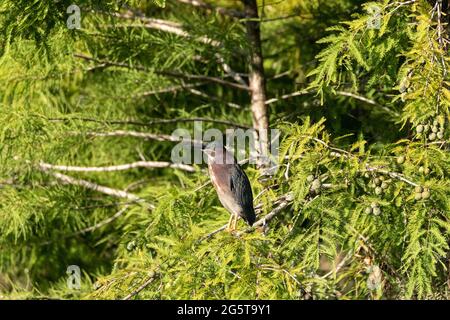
205,78
142,287
368,101
110,63
340,265
155,121
358,97
341,152
165,73
284,201
96,187
204,95
128,166
341,93
177,28
164,25
103,222
226,67
290,95
171,89
394,175
144,135
337,151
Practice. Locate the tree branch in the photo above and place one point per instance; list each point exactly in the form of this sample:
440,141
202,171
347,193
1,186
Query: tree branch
177,28
204,95
93,186
137,164
367,100
392,174
341,93
282,202
164,73
155,121
142,287
290,95
103,222
171,89
205,78
144,135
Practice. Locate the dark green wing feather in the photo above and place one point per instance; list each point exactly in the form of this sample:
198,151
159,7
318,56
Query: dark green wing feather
242,191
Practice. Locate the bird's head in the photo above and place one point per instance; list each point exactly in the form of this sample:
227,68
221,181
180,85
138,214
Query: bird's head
218,154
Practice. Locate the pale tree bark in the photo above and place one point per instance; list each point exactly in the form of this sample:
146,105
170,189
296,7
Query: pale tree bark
257,81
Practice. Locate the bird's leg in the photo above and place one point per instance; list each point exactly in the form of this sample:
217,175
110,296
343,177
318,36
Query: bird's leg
233,227
229,223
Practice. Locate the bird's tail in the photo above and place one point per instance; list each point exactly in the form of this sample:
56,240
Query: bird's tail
250,217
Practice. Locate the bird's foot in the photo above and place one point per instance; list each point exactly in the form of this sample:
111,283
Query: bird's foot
231,227
230,230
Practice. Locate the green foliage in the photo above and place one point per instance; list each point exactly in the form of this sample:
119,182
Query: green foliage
361,195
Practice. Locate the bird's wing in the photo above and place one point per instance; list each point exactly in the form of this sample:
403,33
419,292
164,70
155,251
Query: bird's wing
240,187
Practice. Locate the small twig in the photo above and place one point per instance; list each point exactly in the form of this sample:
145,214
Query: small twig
236,76
264,191
101,223
290,16
171,89
110,63
367,100
398,5
394,175
202,186
326,145
342,93
288,96
204,95
280,75
279,268
210,235
142,287
338,267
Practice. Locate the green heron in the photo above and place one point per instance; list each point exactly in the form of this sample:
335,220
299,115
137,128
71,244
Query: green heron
231,184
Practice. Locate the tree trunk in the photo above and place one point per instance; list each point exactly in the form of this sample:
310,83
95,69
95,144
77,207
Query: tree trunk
257,82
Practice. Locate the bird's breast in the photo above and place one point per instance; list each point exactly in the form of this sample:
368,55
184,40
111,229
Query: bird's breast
221,182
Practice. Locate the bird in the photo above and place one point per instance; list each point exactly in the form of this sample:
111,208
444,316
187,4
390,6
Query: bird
231,184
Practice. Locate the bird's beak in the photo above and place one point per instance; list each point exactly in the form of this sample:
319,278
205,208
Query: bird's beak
208,152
